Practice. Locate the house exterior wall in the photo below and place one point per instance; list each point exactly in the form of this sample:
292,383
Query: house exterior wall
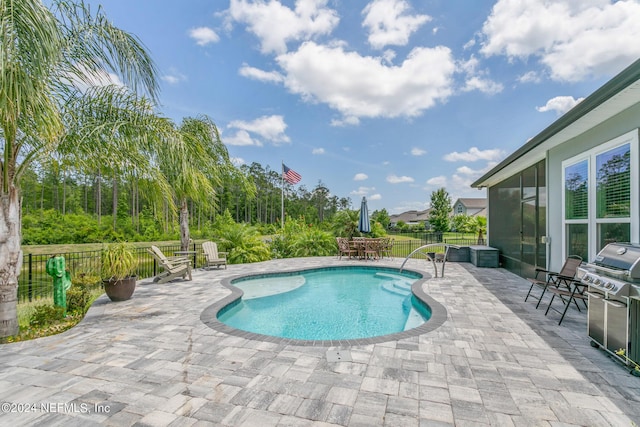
621,124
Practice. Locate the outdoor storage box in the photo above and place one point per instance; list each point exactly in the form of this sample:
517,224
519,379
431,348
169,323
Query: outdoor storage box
484,256
460,254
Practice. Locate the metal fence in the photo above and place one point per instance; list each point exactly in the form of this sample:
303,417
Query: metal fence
427,237
34,283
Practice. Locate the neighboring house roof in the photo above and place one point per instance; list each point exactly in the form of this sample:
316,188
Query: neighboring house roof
472,203
411,216
615,96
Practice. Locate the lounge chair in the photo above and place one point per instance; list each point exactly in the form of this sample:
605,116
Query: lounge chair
562,279
345,248
212,257
174,267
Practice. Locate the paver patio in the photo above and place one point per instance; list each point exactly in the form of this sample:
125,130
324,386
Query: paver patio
496,360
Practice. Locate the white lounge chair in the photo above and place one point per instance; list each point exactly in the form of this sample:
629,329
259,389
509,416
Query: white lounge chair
174,267
213,258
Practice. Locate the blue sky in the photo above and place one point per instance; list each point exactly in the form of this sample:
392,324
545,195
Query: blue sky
388,99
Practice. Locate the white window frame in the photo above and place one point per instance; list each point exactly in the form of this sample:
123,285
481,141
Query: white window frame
592,222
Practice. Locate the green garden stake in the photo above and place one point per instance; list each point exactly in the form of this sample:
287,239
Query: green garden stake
61,281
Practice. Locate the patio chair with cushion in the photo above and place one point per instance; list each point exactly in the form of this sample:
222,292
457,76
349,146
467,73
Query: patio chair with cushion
174,267
212,257
562,279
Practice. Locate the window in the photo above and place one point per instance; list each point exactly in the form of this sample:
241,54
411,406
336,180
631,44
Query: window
576,186
599,197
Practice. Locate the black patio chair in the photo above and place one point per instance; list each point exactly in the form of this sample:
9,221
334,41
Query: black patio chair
561,280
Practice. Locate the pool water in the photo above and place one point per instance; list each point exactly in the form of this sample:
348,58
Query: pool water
327,304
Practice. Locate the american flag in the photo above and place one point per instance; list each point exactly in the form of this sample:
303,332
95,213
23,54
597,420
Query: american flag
289,175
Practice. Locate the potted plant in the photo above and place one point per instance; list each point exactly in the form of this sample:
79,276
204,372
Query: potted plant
119,264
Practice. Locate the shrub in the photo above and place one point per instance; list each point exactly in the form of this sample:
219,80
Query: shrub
313,242
78,299
243,244
45,315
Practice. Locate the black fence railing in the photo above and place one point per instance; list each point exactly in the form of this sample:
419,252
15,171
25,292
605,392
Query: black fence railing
34,283
427,237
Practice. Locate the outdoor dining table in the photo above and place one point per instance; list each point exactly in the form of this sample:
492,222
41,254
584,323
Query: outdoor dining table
366,246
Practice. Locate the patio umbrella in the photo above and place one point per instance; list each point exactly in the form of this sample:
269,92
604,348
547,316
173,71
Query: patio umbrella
364,226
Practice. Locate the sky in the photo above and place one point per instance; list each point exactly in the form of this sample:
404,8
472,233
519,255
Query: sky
387,99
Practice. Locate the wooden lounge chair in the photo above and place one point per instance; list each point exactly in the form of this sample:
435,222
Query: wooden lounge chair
174,267
212,257
562,279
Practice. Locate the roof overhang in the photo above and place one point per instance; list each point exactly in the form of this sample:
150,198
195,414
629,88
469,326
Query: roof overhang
618,94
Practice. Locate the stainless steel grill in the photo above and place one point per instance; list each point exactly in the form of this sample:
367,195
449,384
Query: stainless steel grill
614,298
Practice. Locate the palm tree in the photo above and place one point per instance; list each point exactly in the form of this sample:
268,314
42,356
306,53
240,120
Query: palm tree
194,164
46,56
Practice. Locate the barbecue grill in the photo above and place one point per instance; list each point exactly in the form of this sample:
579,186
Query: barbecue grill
613,280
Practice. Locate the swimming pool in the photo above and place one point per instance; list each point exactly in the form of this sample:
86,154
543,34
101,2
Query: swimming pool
327,304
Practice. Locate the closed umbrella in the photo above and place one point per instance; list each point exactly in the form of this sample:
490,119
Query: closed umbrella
364,226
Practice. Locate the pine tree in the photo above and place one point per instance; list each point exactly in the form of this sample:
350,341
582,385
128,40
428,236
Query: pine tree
440,210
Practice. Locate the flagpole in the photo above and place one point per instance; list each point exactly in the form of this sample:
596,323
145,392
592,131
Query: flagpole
282,195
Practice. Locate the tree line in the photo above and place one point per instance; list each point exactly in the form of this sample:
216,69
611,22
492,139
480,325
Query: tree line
63,204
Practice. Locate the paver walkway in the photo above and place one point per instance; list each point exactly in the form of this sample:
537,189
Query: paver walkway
151,361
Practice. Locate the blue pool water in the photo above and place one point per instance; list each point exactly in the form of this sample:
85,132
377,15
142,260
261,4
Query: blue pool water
327,304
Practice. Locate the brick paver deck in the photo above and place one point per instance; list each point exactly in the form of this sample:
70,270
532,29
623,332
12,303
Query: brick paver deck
151,361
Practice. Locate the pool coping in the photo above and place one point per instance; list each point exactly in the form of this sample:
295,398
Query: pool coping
209,315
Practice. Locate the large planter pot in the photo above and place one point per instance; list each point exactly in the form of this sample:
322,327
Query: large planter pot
120,290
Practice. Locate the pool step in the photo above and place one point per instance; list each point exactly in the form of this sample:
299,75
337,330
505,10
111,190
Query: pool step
397,287
413,320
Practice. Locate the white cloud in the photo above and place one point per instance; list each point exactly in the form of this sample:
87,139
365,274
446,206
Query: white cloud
360,177
174,77
394,179
93,79
437,181
317,151
559,104
574,39
466,170
415,151
260,75
237,161
376,196
242,138
477,79
388,23
270,128
363,191
474,155
276,24
366,87
203,36
483,85
530,77
345,121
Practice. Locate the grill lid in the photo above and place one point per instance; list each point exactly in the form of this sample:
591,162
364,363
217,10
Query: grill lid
624,257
